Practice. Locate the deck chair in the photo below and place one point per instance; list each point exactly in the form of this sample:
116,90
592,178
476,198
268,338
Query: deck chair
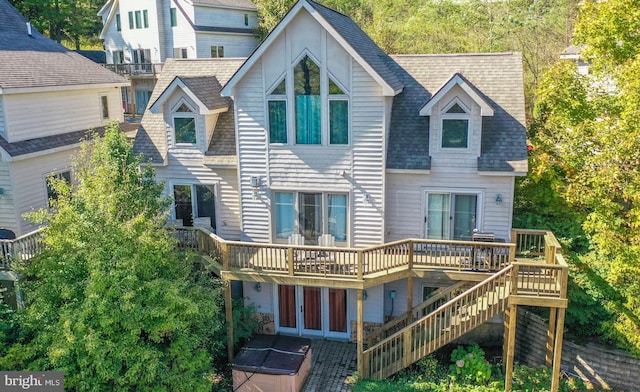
204,223
296,240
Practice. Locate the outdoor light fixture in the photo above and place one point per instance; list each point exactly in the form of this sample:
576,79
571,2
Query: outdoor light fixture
258,287
367,199
364,294
499,199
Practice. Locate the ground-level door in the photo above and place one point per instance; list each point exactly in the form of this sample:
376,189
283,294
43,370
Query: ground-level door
450,215
312,311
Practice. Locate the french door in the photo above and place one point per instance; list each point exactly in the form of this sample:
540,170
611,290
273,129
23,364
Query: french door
312,311
450,215
195,201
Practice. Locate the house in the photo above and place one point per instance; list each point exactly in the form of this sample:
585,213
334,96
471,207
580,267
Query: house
342,185
50,97
139,35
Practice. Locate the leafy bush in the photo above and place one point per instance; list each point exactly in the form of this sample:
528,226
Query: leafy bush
469,364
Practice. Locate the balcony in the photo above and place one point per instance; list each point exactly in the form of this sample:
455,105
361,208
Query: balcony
144,70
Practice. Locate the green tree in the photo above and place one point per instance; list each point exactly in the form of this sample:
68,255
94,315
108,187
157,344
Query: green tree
110,302
586,133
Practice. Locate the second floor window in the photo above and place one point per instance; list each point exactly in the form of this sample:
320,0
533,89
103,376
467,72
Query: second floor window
104,105
52,195
138,20
174,17
217,51
131,20
118,23
277,111
184,125
455,126
306,79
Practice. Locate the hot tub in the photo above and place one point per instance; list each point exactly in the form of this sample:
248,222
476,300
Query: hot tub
272,363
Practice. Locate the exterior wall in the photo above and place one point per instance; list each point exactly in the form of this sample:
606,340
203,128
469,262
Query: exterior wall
356,169
8,217
30,183
143,38
58,112
234,45
405,207
3,129
113,40
224,17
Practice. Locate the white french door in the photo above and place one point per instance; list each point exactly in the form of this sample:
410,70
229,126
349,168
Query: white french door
450,215
312,311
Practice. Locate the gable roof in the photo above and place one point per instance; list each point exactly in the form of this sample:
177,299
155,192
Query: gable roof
458,80
497,78
203,90
37,63
346,32
203,77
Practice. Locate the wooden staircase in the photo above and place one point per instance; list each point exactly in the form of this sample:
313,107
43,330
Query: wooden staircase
448,322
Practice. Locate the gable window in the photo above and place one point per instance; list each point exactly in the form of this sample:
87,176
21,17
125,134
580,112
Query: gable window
195,205
217,51
306,77
184,125
174,17
338,115
104,105
118,23
310,214
277,111
455,126
52,195
131,20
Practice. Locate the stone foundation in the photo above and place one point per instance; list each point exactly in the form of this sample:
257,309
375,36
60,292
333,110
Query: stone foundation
267,325
368,328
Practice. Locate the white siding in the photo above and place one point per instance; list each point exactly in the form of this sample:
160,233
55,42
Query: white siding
191,171
8,217
368,143
30,182
373,305
405,200
224,17
3,129
142,38
37,115
235,45
252,156
264,300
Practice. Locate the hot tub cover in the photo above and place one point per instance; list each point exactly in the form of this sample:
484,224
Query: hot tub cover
272,354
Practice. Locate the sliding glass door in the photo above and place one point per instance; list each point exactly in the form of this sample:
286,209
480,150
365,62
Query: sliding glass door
450,215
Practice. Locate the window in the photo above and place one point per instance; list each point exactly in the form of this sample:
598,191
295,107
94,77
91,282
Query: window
338,115
118,23
451,215
306,78
455,127
131,20
174,17
52,195
104,103
277,102
145,18
184,125
180,53
246,19
310,214
118,57
194,202
138,20
217,51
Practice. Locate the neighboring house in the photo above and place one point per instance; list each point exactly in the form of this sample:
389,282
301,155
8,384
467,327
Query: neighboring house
139,35
321,136
49,97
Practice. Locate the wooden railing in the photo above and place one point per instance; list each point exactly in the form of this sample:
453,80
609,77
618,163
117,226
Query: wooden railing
432,303
135,68
22,248
529,243
450,321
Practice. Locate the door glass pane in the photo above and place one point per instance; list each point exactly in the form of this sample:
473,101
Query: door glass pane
284,214
337,216
182,196
310,217
464,218
312,308
438,216
338,310
206,206
287,306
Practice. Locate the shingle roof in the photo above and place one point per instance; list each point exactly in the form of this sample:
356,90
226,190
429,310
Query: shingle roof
37,61
361,43
498,78
204,77
228,3
30,146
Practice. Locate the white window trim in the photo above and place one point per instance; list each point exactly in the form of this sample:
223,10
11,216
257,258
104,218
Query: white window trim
56,173
296,211
104,118
277,97
455,116
194,206
457,191
175,114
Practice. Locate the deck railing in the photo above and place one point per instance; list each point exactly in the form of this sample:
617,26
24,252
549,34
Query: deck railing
22,248
135,68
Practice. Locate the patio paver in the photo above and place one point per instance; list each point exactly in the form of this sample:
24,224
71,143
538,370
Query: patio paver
332,362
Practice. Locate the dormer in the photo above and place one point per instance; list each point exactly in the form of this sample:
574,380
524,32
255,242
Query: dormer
455,119
190,107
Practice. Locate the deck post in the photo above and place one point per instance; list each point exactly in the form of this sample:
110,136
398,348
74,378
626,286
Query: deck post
226,260
511,345
228,307
551,332
360,331
410,298
290,260
360,266
557,351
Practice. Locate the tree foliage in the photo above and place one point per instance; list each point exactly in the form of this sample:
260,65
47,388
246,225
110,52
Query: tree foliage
586,134
111,303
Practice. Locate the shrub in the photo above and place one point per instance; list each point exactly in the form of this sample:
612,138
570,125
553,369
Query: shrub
470,365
